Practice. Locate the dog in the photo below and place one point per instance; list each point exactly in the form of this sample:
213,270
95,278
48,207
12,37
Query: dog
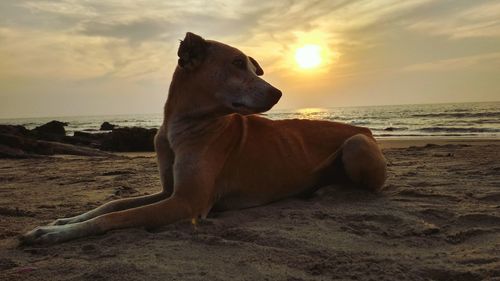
215,152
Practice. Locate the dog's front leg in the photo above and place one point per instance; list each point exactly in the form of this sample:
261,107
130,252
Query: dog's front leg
113,206
165,158
194,194
161,213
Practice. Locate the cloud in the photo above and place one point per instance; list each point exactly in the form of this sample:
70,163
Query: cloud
491,60
42,55
37,16
469,22
68,8
121,39
138,30
134,42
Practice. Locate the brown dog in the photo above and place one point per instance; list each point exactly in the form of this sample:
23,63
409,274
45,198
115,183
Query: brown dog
213,153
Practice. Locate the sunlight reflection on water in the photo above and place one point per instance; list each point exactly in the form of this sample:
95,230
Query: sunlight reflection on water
465,119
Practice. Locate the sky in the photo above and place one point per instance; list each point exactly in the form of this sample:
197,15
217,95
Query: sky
100,57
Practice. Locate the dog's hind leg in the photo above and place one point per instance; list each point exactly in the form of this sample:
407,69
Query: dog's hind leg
363,162
165,158
358,161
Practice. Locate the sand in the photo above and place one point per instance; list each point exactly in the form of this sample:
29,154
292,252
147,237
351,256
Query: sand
438,219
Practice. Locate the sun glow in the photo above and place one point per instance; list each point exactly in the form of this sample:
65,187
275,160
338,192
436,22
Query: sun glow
308,56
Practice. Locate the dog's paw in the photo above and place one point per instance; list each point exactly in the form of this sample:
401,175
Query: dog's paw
62,221
71,220
43,235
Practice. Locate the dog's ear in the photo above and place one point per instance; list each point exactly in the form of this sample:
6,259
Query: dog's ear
192,51
258,70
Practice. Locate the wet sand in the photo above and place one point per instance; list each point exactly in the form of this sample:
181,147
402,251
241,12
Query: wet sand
438,219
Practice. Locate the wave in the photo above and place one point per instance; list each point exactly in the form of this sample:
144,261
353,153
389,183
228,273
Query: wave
413,120
424,135
391,129
459,130
358,122
488,121
459,115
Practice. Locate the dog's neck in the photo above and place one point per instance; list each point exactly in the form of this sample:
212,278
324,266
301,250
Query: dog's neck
188,100
190,111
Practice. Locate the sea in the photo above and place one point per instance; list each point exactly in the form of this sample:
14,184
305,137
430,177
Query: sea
460,120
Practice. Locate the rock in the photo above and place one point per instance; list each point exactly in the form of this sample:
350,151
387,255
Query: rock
54,128
69,149
19,146
90,136
389,129
79,134
13,130
129,139
11,152
17,142
106,126
93,140
84,138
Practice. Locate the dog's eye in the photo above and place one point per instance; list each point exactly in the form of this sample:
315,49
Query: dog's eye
239,63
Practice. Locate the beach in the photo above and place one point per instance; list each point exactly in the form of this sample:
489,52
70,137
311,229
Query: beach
437,219
248,102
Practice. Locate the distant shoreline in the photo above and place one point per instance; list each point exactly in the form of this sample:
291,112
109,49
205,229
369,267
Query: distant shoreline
389,143
461,120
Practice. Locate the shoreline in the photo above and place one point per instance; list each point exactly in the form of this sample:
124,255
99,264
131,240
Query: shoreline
401,142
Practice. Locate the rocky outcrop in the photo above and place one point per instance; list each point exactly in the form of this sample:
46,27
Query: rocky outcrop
86,139
19,142
106,126
50,139
53,128
129,139
13,130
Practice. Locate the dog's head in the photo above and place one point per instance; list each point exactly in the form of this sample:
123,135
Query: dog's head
230,77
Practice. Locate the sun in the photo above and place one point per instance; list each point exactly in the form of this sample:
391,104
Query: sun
308,56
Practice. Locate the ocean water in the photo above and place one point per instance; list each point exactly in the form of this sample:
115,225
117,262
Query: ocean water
471,120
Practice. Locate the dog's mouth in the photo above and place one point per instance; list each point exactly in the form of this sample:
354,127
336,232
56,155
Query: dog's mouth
245,109
242,108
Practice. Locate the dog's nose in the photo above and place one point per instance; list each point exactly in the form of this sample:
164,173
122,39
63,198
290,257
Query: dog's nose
275,94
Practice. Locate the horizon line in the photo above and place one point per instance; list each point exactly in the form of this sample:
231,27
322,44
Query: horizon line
271,110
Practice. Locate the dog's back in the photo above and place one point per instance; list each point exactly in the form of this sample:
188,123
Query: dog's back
269,159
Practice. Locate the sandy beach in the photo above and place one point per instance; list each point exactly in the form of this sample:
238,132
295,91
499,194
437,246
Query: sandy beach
438,219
